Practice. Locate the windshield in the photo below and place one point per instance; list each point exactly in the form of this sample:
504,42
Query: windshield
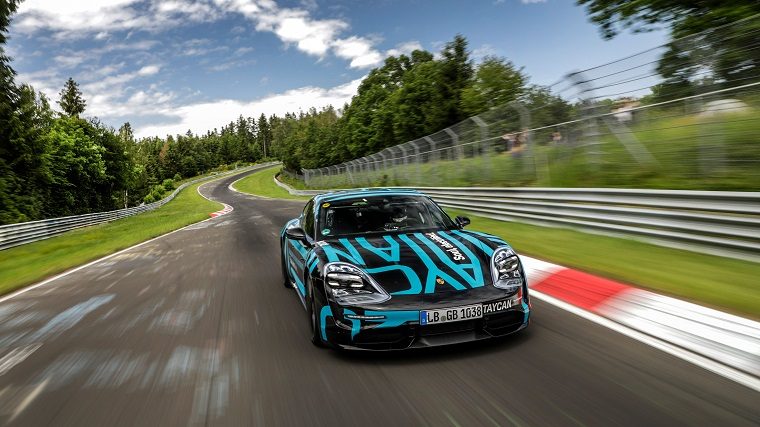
383,214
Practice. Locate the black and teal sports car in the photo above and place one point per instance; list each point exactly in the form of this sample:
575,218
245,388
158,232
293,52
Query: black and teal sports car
382,269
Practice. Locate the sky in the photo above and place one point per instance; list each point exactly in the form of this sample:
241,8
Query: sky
175,65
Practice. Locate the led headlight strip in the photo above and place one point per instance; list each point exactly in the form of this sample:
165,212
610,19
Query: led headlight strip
347,284
505,269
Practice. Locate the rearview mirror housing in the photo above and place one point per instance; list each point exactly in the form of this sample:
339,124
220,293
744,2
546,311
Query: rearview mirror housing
462,221
297,233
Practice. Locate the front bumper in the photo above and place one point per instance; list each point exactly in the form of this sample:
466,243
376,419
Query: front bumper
402,330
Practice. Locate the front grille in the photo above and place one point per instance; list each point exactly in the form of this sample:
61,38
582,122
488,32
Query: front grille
448,328
503,323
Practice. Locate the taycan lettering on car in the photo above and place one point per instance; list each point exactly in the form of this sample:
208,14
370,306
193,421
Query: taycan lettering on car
389,269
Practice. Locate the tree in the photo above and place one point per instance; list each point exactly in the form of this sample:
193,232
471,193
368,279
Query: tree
545,108
264,134
706,34
126,134
496,82
456,72
71,101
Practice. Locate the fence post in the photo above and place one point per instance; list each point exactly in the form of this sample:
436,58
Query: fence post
348,166
405,158
372,169
397,158
384,178
455,147
417,161
483,146
590,130
712,155
363,169
431,141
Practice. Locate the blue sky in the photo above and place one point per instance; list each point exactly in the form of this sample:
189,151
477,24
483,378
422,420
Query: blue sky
173,65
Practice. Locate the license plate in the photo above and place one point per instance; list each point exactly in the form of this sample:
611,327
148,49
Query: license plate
453,314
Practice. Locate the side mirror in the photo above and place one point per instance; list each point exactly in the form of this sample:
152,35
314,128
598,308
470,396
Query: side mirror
297,233
463,221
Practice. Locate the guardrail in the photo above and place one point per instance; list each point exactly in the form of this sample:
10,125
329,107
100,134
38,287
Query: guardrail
708,221
721,222
27,232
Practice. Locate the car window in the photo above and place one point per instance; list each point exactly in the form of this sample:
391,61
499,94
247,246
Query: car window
308,219
381,214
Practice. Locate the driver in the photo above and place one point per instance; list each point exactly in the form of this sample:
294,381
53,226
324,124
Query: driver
399,214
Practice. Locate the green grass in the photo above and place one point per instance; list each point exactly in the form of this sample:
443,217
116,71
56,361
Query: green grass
30,263
723,283
262,184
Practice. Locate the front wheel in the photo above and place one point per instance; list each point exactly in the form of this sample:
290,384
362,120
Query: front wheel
314,319
283,265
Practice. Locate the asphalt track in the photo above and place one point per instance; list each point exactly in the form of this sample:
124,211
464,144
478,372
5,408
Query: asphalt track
195,328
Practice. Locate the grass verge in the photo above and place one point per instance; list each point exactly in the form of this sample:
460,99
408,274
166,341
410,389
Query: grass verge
30,263
262,184
719,282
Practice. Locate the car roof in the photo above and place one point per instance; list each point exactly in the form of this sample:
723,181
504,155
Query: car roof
365,192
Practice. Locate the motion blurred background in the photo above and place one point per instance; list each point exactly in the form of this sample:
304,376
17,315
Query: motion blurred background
642,170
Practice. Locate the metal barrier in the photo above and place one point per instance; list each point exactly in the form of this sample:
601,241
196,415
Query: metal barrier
707,221
27,232
721,222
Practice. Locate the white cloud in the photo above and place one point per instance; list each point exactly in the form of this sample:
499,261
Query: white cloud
71,19
70,59
293,26
359,50
108,94
483,51
231,64
405,48
77,16
201,117
309,4
148,70
316,37
241,51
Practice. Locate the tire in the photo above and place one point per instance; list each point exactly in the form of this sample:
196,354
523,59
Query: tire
316,336
285,276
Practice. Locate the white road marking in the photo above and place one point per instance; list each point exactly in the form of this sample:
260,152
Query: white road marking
703,362
16,356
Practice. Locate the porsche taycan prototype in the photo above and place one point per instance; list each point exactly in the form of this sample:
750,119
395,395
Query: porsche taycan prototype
385,269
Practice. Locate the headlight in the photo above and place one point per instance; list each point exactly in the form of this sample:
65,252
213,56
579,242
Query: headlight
347,284
505,269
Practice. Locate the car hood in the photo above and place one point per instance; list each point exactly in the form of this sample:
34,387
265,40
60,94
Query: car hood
428,263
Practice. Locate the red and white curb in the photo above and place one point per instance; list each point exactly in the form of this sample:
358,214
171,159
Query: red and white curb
723,343
227,209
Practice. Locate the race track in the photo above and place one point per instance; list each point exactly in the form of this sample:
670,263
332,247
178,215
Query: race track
196,328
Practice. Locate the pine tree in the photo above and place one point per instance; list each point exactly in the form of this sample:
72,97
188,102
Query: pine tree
457,72
264,135
71,100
